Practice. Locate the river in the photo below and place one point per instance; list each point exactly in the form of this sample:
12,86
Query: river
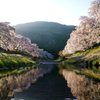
48,82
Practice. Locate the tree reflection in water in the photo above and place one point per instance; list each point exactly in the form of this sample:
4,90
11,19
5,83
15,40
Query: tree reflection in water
16,83
81,86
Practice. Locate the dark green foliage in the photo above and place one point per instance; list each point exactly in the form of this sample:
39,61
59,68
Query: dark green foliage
49,36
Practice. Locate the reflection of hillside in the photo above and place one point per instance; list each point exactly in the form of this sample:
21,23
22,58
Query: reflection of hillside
16,83
82,87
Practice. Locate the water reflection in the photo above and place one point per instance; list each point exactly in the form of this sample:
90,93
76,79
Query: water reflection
50,87
16,83
81,87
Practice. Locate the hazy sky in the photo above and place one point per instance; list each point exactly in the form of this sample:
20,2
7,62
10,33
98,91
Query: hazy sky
61,11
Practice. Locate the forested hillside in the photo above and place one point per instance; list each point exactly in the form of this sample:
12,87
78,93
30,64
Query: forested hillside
50,36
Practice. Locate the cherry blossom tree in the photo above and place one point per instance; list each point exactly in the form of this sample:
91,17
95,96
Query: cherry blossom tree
87,33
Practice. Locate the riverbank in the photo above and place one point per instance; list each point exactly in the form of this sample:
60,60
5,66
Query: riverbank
90,73
86,62
12,61
90,57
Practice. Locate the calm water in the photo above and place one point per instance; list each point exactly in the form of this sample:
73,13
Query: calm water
47,82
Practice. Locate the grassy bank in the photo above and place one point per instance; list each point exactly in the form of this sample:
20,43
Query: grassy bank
86,63
10,61
92,55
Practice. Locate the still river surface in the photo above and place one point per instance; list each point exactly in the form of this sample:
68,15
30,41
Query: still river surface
48,82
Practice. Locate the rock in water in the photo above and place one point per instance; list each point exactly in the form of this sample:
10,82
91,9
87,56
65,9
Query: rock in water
12,42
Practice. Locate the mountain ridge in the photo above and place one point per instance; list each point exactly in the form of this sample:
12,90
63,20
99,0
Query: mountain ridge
50,36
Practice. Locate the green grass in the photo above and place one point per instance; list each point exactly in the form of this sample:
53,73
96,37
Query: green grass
90,72
78,59
67,62
9,61
90,53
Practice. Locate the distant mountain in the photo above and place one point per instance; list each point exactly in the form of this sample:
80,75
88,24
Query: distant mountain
50,36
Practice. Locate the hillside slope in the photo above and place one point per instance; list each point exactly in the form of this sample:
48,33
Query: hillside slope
50,36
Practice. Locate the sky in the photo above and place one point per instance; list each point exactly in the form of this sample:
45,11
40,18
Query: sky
61,11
